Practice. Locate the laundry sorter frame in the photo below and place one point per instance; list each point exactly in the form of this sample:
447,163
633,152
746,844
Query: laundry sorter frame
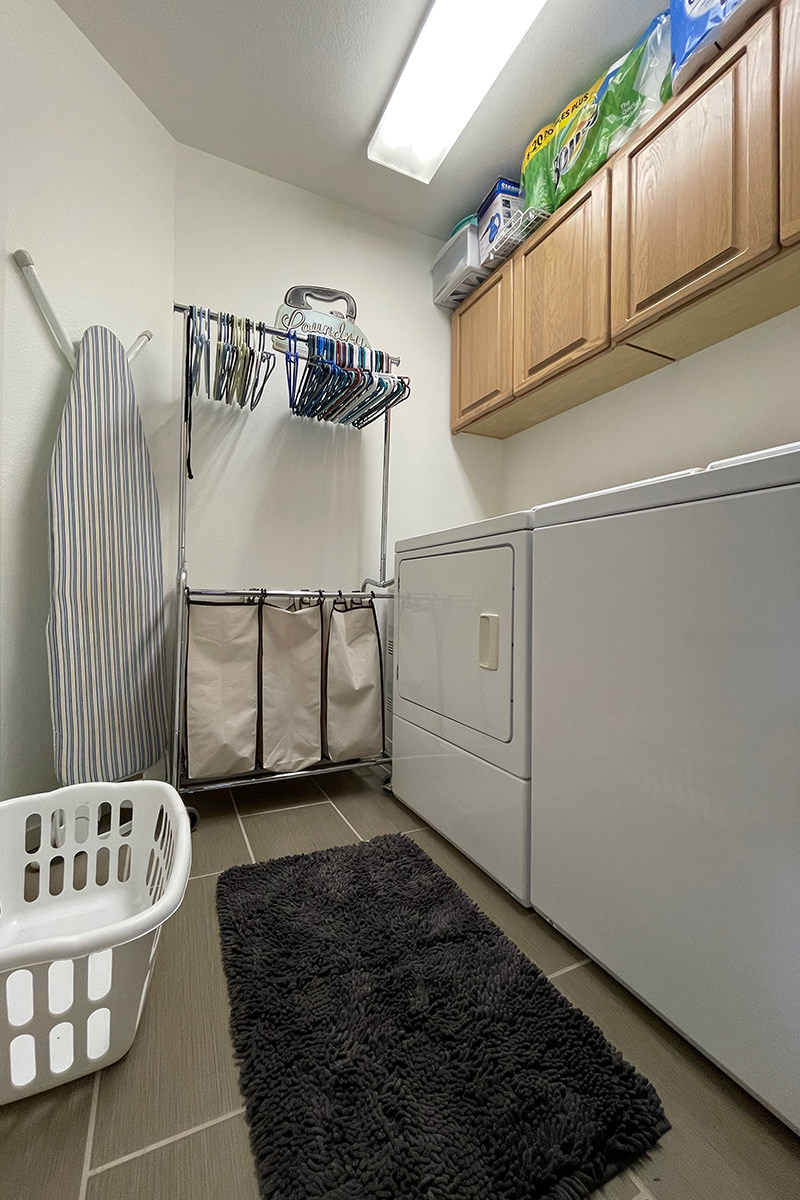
185,783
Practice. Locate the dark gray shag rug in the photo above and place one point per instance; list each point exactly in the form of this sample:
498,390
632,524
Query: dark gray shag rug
392,1042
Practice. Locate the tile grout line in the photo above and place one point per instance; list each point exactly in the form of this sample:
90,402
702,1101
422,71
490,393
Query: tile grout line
572,967
319,787
87,1152
420,829
176,1137
285,808
344,818
644,1192
241,826
207,875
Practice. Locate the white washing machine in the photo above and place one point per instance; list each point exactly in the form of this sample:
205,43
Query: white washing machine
666,738
461,729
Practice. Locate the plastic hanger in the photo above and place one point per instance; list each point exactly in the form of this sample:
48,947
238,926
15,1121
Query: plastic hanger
241,363
269,361
291,367
201,349
252,364
228,359
219,371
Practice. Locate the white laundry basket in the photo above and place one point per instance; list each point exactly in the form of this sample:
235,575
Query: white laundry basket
88,875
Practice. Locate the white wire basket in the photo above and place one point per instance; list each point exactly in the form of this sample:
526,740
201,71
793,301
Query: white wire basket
514,232
88,875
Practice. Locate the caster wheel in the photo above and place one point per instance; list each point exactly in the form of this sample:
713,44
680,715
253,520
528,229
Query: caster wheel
387,783
194,817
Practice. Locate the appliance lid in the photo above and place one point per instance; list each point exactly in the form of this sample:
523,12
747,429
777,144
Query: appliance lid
507,523
748,473
755,456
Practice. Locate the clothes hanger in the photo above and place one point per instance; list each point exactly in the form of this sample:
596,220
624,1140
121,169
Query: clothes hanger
332,381
204,347
264,358
400,389
291,367
241,363
246,368
228,359
218,375
373,390
317,378
201,327
364,387
252,365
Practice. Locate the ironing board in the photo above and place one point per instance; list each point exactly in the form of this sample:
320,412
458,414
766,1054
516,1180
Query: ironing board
105,630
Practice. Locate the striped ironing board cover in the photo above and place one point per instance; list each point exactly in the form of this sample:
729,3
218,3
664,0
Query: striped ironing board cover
105,630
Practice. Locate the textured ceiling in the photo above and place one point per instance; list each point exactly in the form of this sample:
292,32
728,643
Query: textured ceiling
294,90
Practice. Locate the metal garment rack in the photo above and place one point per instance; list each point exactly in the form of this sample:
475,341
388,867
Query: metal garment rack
184,593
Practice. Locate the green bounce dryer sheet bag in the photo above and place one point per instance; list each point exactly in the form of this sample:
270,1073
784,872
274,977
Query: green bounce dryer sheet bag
591,128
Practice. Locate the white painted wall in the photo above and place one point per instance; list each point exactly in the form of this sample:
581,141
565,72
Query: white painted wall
89,187
740,395
285,502
88,190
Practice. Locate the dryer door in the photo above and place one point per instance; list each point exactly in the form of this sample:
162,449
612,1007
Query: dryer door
454,640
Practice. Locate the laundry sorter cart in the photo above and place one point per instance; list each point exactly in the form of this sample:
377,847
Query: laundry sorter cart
230,735
88,875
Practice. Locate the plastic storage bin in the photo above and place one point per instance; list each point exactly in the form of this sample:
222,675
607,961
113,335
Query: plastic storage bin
88,875
457,269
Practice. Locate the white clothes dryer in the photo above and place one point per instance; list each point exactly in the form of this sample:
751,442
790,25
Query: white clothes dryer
461,703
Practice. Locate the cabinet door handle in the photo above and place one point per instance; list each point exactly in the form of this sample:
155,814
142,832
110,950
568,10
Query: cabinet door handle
489,641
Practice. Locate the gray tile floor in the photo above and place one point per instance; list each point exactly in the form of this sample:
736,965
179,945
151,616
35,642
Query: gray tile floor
166,1123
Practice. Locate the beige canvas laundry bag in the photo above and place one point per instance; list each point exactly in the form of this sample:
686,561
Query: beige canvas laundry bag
291,693
354,682
221,689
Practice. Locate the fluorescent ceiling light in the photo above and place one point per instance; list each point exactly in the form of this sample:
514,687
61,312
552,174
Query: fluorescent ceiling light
461,49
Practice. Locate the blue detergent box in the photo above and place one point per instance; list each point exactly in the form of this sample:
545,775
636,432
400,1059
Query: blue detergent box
700,29
501,204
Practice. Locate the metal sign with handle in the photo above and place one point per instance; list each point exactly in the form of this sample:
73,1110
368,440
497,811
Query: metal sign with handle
296,315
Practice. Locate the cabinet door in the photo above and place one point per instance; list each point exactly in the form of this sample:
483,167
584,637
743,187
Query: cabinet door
561,288
695,195
790,121
482,348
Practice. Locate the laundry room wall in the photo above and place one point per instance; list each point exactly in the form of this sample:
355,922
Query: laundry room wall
740,395
88,189
278,501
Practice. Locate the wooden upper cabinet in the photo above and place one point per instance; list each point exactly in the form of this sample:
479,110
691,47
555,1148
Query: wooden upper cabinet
561,288
482,334
790,122
695,194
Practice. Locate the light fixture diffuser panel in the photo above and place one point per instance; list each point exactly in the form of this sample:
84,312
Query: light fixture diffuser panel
461,49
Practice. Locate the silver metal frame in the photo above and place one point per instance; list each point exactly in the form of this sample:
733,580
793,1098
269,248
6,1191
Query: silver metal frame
183,594
211,785
289,593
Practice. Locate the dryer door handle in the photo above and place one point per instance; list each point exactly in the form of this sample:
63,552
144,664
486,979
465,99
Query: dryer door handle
489,641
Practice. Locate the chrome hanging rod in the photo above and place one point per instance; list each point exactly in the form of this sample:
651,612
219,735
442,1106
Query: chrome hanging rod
288,593
281,333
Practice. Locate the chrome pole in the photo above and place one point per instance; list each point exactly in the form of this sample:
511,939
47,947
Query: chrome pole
387,431
181,576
